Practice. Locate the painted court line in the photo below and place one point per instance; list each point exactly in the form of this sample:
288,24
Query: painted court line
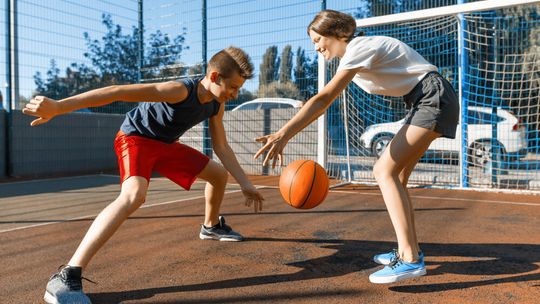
91,215
273,187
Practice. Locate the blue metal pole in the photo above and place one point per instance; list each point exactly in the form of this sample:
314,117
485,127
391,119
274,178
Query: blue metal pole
8,101
495,147
207,141
140,54
463,62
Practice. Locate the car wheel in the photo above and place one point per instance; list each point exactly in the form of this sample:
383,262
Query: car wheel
480,153
379,145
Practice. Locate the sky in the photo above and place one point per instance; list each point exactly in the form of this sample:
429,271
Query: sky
53,29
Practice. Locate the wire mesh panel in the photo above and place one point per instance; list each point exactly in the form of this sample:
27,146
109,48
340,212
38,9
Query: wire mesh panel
500,98
497,139
273,33
69,47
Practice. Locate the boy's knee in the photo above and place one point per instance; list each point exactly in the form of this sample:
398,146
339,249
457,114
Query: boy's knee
132,196
222,174
135,197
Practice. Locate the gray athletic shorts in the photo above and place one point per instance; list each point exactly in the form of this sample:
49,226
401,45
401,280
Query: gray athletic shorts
433,105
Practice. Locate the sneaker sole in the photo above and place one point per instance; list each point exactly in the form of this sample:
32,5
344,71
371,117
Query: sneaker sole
217,238
397,278
381,262
49,298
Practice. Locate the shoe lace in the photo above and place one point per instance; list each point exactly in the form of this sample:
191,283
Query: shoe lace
224,226
73,283
396,262
395,255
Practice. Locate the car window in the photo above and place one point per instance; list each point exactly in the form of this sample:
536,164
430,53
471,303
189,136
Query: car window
251,106
266,106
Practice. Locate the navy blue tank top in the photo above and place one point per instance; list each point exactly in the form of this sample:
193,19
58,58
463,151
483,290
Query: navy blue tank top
167,122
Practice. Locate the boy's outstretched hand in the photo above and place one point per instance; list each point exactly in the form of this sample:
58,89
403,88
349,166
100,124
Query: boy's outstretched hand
274,144
253,196
42,107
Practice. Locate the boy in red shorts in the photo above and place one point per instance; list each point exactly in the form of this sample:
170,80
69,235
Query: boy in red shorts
148,141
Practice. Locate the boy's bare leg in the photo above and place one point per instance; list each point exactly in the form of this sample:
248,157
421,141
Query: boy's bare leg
408,145
132,196
216,177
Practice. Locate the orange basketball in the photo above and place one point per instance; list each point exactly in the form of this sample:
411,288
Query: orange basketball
304,184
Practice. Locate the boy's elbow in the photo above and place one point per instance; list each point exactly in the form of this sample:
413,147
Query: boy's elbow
221,149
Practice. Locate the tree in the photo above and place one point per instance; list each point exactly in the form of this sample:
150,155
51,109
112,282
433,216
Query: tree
114,57
163,57
279,89
269,66
305,74
114,61
285,68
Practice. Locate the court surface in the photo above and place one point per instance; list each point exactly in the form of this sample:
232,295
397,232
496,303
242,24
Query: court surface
480,247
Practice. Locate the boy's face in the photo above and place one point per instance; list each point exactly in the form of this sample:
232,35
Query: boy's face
225,89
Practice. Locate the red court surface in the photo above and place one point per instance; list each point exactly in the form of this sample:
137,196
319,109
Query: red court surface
480,247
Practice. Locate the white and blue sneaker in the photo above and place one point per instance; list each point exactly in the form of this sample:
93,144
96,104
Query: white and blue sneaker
387,258
397,271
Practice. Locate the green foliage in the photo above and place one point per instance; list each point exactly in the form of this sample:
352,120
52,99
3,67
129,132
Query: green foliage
114,60
299,82
285,68
279,89
269,66
305,74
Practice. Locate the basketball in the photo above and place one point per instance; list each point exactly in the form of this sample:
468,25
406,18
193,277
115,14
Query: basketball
304,184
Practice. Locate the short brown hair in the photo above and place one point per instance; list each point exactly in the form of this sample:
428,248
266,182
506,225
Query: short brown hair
330,23
230,60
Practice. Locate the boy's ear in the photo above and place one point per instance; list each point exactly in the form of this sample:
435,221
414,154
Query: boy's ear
214,76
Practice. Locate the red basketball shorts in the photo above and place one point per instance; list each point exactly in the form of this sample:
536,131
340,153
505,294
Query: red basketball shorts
140,156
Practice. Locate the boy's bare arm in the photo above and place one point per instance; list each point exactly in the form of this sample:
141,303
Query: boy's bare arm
230,162
223,150
46,108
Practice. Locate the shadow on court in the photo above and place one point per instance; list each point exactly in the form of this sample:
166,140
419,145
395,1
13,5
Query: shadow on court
512,261
55,185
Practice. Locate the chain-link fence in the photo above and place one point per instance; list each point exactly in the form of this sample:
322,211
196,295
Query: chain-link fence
59,48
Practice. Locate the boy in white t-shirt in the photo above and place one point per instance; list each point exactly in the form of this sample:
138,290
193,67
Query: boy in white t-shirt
385,66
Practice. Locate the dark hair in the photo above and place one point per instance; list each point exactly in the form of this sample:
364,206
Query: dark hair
335,24
230,60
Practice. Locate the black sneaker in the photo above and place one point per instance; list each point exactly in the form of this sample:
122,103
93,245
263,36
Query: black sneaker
65,286
221,232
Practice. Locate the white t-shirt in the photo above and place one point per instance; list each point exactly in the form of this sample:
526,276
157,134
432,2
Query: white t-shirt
388,66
